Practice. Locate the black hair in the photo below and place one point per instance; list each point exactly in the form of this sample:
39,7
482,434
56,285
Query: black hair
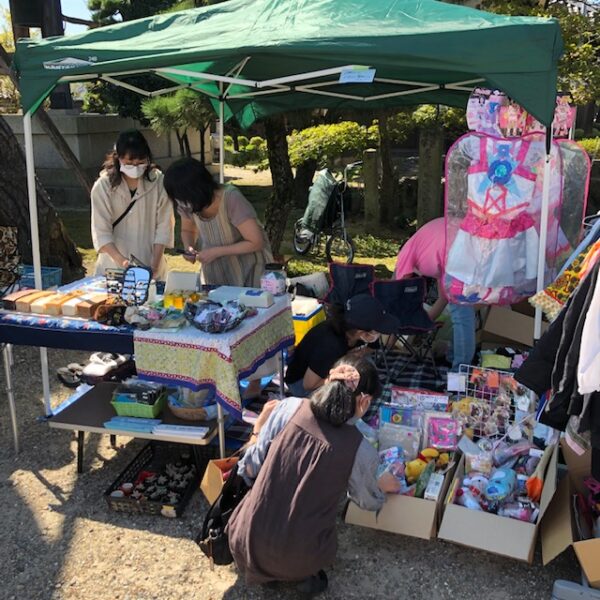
189,184
130,143
337,320
334,402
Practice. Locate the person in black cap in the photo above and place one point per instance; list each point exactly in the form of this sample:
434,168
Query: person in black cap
361,321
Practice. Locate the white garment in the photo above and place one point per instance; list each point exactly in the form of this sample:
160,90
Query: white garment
150,221
588,369
494,262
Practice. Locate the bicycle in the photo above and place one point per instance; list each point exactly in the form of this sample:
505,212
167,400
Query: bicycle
325,214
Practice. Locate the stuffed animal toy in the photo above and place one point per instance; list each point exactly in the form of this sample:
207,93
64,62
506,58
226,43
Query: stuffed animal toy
414,468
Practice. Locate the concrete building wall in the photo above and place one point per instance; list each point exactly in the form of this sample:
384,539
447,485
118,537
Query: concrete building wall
91,137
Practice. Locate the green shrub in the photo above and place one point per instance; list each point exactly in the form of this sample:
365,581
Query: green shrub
591,146
256,141
228,141
239,159
324,143
242,141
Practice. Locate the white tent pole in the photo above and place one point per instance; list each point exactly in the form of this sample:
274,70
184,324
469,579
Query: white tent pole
220,414
35,243
537,330
221,139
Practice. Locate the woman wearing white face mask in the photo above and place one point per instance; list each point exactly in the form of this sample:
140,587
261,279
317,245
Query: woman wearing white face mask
361,321
131,212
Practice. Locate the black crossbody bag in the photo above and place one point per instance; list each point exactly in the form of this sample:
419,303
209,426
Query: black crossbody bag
212,538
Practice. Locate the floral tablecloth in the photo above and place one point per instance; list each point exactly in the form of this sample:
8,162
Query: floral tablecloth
200,360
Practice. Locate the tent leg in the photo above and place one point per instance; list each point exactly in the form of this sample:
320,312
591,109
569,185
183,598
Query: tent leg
220,413
221,139
221,429
7,359
537,331
35,242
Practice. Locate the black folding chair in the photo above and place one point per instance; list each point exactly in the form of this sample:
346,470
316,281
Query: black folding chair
347,281
404,299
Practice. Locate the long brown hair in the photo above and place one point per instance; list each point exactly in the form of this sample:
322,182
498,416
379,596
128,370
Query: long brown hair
130,143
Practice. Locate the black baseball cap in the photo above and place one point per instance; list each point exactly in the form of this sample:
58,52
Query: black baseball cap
367,313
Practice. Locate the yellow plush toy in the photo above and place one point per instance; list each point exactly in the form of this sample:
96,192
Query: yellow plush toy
415,467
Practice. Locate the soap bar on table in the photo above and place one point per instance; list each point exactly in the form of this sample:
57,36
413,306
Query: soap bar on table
9,302
24,304
87,307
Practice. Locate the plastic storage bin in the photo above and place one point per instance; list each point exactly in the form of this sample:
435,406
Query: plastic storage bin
304,323
51,277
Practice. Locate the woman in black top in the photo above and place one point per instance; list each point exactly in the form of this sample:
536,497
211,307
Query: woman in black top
361,321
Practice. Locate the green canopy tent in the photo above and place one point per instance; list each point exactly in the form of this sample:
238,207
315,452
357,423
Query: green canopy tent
255,58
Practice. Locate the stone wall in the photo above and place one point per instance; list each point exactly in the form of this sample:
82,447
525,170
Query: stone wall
90,137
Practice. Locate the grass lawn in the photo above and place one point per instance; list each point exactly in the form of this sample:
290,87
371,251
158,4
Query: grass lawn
377,247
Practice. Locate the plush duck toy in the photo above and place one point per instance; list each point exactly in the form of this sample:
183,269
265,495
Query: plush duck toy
414,468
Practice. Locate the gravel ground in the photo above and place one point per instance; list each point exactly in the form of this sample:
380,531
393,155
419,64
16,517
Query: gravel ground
58,539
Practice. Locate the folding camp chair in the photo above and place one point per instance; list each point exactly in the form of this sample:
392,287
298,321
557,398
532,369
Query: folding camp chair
9,260
347,281
404,299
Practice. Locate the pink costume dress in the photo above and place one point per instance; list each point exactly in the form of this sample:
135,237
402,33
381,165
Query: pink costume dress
496,246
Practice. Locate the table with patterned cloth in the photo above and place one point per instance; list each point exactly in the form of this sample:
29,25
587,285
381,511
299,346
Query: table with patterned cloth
200,360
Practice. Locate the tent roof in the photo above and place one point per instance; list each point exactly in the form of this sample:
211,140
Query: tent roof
423,51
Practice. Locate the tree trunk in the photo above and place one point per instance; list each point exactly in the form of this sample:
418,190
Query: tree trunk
186,144
303,180
180,142
387,187
282,199
56,247
52,132
202,142
431,148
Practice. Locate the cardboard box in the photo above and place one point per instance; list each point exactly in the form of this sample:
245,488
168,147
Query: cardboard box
504,326
214,477
406,515
559,529
485,531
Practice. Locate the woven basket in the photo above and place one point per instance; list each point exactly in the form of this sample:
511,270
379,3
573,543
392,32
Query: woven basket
188,414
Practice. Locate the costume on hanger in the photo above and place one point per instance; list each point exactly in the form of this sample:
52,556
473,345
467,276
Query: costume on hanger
493,255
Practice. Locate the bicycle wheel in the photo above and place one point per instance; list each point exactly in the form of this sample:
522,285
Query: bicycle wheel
340,245
302,244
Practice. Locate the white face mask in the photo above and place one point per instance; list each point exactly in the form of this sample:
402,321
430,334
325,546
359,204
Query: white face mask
370,337
133,171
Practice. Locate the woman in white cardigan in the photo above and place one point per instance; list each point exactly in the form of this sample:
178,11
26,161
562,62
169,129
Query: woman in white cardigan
131,212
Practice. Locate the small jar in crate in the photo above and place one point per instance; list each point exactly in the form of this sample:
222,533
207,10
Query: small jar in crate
274,279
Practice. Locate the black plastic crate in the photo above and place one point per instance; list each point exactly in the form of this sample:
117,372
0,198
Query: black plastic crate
154,457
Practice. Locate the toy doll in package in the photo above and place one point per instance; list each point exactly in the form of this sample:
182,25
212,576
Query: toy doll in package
419,399
442,432
401,436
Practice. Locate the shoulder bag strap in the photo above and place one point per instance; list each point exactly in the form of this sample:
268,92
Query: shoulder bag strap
125,213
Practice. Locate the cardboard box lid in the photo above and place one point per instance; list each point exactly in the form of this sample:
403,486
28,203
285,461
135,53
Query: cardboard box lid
557,527
510,326
579,466
588,554
212,481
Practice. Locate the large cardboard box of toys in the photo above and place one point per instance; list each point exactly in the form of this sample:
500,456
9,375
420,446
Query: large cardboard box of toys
417,441
569,521
471,526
